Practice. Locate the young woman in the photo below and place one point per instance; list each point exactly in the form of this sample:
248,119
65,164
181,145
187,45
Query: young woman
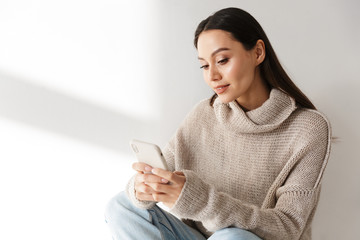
245,164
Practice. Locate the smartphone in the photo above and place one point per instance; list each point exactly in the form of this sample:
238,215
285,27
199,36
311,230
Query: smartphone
148,153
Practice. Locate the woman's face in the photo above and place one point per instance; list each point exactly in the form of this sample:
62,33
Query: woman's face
230,70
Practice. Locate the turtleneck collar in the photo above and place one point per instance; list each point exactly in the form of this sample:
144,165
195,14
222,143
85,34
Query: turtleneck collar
274,111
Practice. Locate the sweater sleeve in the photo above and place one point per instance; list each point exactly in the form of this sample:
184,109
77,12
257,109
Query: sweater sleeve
295,200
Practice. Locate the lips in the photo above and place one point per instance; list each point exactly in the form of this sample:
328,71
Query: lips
221,88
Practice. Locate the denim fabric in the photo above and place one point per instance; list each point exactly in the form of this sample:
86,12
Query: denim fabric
129,222
233,234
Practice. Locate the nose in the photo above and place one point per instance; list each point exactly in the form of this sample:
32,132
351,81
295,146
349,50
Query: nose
214,74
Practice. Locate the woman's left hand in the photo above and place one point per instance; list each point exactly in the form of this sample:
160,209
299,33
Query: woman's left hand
167,193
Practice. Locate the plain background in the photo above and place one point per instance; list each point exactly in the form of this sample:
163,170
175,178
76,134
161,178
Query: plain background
79,79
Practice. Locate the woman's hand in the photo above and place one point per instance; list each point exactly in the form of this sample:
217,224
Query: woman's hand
167,193
161,186
142,178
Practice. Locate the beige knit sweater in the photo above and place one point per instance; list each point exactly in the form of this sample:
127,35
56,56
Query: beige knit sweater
259,170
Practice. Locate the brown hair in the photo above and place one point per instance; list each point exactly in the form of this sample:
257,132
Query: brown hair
245,29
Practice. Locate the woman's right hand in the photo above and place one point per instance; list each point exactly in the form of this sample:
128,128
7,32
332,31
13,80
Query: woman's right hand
142,190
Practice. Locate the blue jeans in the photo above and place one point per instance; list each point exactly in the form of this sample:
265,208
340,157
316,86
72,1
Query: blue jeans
129,222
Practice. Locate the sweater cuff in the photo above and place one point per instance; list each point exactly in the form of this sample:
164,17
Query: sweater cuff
193,198
130,191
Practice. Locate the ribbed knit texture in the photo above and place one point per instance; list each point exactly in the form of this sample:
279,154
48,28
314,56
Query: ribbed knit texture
259,170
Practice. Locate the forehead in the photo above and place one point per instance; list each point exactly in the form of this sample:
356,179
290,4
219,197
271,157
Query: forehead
211,40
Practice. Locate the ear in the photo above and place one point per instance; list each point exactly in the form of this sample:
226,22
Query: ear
260,51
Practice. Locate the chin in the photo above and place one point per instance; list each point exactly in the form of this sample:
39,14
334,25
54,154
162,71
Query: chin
225,99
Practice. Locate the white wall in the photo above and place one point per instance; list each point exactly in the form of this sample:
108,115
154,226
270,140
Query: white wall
79,79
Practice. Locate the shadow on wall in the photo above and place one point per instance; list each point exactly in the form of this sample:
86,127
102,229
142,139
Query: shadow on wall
175,66
47,109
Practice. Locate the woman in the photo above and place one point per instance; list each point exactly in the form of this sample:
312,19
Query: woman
245,164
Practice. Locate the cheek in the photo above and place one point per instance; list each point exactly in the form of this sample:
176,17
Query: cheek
240,72
206,78
231,70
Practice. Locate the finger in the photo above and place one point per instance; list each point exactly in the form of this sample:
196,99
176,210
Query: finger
141,167
151,178
170,176
144,188
161,197
160,187
144,197
179,173
139,178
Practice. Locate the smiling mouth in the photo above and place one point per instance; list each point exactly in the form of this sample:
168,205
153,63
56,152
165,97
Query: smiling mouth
221,89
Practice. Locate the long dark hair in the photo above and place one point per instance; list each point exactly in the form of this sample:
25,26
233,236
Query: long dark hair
245,29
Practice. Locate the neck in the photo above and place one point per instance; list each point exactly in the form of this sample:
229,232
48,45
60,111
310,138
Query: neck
256,98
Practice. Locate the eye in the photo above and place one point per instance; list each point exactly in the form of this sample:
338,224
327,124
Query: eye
205,67
223,61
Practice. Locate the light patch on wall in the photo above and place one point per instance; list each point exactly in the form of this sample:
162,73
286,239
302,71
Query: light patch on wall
56,187
101,52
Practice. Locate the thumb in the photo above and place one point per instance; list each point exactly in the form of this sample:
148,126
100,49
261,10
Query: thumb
179,173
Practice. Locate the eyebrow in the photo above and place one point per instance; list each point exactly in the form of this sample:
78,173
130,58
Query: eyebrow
215,52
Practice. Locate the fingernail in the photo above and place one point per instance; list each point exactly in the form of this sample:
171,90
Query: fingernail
153,171
148,169
164,180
